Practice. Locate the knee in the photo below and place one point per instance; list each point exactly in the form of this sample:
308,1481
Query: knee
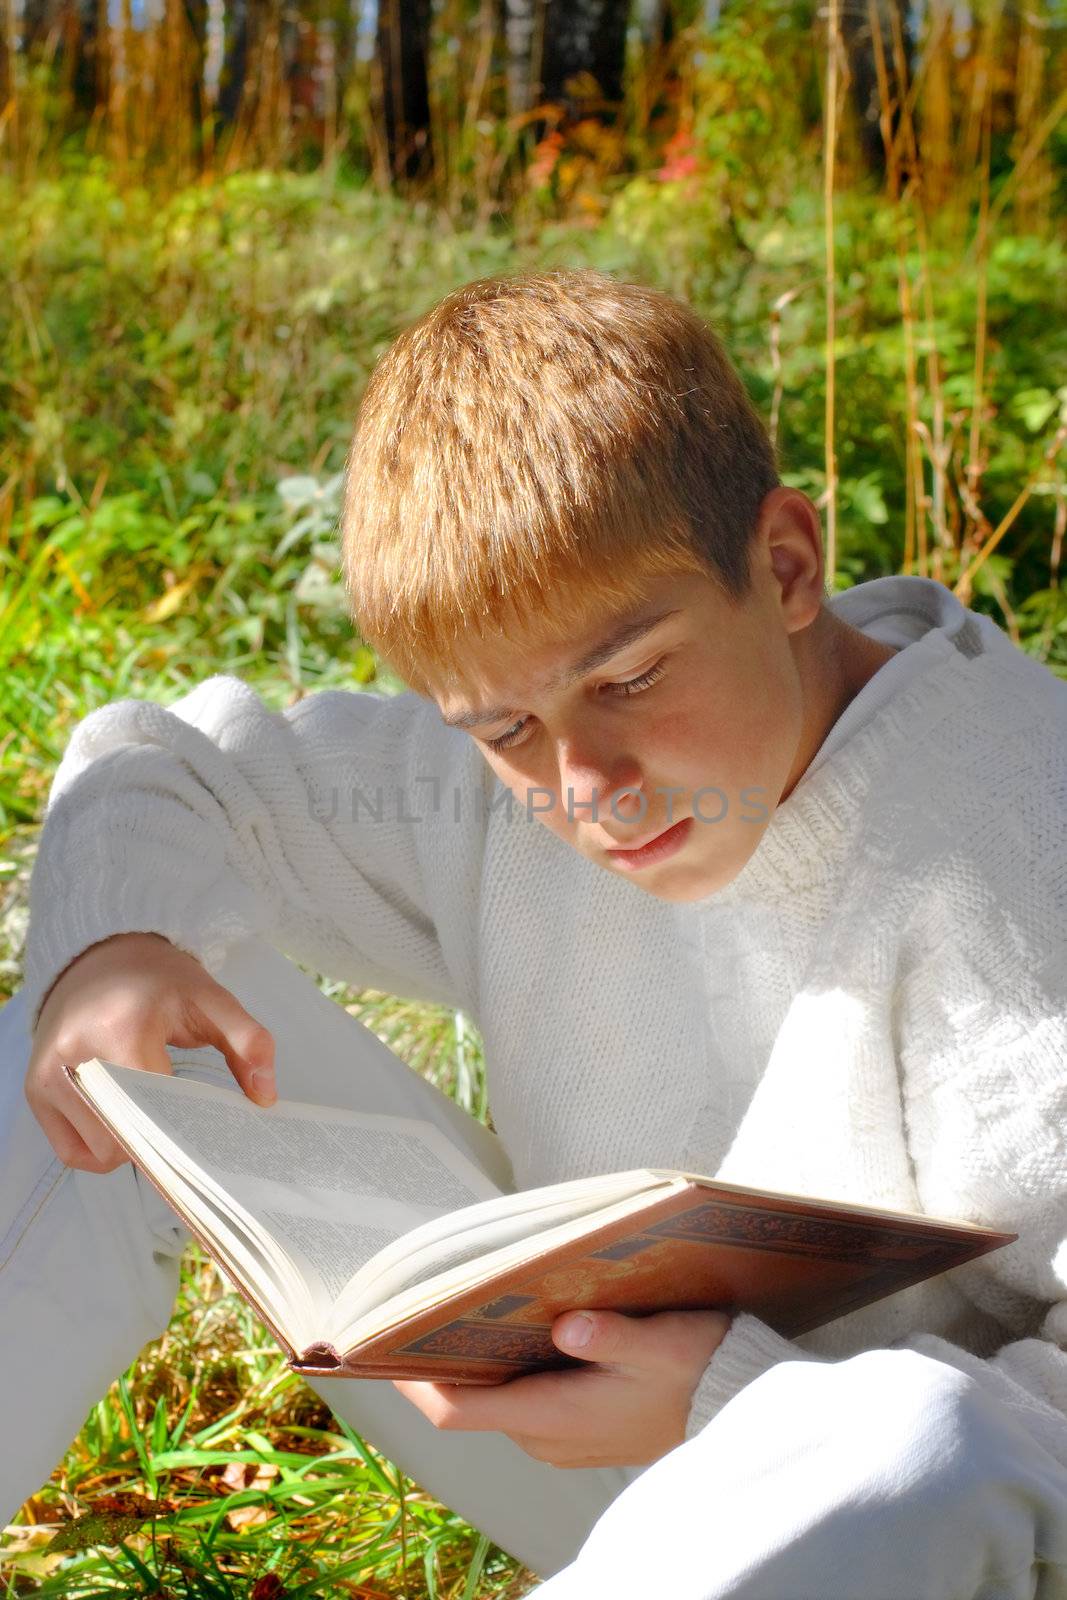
133,1235
909,1421
936,1451
883,1475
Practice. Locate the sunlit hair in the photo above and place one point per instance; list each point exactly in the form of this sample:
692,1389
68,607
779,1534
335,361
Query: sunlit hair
530,453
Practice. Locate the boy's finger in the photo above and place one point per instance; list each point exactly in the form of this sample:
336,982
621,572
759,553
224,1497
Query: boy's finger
104,1149
247,1045
72,1149
524,1405
141,1051
454,1406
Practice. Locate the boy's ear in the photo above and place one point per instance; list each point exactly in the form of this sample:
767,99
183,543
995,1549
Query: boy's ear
789,538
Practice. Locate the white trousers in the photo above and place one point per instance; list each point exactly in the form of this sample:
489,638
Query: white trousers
888,1476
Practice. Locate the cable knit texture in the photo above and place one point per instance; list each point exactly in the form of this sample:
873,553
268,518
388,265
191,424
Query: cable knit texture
873,1010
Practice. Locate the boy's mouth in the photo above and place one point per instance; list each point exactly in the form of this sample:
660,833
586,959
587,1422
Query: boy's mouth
655,849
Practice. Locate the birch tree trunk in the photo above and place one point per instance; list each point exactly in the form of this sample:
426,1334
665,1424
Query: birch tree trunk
551,44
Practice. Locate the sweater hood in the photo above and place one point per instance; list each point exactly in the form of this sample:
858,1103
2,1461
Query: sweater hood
899,610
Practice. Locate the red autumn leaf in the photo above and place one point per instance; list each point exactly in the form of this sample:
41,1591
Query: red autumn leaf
268,1587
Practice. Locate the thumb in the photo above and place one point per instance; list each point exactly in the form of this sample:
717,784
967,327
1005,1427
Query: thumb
604,1336
666,1340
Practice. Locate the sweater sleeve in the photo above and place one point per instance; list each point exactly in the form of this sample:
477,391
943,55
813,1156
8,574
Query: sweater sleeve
748,1348
347,831
982,1057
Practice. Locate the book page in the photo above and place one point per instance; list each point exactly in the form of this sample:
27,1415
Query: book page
334,1251
439,1246
314,1150
249,1256
358,1180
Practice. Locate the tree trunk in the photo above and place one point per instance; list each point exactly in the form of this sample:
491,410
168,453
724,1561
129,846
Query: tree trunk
37,17
555,46
403,39
196,16
859,47
237,27
70,29
655,23
86,29
585,36
523,22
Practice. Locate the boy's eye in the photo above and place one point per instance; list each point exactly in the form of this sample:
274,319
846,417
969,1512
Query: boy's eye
631,686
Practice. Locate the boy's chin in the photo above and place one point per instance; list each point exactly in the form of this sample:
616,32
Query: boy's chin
683,887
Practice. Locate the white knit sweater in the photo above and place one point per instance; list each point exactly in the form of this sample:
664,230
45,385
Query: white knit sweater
875,1009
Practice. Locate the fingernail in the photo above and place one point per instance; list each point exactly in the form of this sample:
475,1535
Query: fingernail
263,1085
578,1331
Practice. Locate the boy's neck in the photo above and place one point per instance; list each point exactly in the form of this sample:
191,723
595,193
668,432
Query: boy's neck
834,661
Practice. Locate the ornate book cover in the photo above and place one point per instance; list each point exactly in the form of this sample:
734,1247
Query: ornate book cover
794,1263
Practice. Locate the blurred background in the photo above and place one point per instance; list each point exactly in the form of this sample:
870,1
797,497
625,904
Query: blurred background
214,216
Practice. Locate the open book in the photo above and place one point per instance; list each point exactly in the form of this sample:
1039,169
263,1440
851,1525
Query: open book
372,1247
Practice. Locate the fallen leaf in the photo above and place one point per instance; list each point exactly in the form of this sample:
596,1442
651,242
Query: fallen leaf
86,1532
173,598
268,1587
248,1517
238,1475
111,1518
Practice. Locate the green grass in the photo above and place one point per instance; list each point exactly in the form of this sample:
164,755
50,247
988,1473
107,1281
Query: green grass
210,1470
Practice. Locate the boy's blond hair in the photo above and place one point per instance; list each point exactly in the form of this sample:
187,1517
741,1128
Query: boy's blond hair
532,451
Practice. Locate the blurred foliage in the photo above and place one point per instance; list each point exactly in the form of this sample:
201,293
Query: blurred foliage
166,363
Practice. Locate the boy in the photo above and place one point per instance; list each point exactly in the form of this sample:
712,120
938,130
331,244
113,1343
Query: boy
810,933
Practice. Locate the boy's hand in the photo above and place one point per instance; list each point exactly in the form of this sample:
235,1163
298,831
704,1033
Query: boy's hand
626,1411
125,999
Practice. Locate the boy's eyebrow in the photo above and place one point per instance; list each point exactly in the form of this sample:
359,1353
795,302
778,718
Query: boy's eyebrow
626,632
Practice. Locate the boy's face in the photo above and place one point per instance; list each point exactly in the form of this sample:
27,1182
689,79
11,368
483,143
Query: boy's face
686,733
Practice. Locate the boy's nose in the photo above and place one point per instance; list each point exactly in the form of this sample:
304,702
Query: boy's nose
594,787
